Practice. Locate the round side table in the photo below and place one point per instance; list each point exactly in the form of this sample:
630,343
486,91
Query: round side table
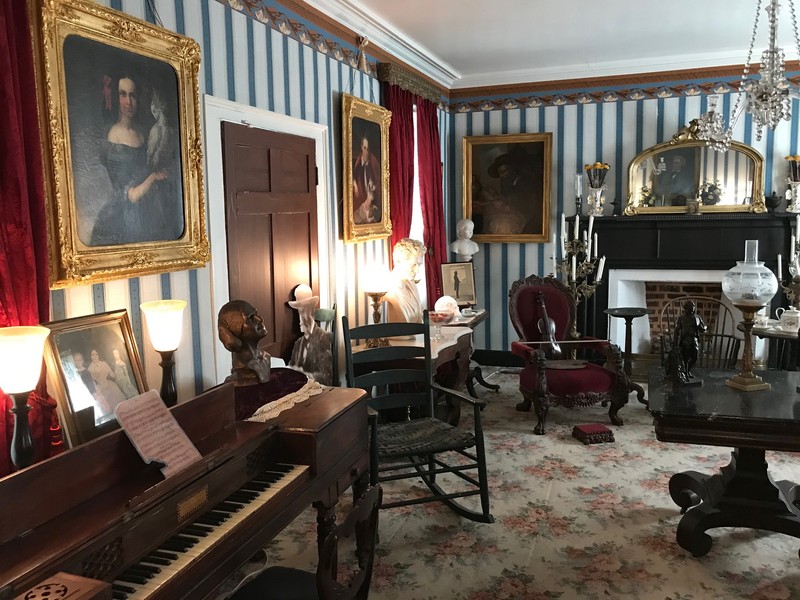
629,314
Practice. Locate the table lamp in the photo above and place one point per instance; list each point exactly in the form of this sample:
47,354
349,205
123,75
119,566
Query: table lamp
21,350
749,286
165,326
376,289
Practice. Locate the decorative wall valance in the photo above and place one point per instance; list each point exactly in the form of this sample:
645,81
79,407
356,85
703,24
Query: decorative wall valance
409,81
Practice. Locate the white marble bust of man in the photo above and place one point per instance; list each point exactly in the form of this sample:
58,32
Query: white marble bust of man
403,302
464,247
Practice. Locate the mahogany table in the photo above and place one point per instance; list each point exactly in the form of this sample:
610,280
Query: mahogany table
475,373
743,493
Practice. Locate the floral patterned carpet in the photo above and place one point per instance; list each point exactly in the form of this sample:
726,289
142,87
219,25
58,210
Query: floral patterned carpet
572,521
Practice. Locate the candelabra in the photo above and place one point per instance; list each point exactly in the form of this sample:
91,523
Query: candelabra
577,268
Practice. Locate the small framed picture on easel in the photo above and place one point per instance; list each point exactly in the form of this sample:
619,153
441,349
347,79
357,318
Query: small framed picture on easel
458,281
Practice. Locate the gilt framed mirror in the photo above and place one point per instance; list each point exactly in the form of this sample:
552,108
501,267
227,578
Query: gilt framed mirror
685,175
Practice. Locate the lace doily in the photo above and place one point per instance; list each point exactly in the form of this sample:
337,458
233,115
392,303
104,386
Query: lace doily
273,409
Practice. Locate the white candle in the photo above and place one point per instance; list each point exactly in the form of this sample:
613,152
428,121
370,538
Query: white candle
780,269
600,268
563,227
591,224
579,185
573,267
791,247
554,255
594,246
577,227
588,250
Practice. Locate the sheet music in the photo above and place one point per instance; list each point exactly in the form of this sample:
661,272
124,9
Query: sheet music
155,433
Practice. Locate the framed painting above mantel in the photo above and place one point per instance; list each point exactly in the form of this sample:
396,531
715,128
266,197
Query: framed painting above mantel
121,144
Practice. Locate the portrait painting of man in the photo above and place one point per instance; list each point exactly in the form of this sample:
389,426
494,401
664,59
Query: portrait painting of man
678,182
367,184
507,194
365,158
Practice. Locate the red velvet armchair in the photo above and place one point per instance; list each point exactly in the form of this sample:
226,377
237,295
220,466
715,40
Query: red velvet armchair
549,379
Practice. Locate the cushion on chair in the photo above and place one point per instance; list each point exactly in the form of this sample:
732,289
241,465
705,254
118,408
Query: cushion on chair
421,436
280,583
570,382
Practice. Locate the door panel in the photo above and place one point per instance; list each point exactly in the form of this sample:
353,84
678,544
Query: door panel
271,220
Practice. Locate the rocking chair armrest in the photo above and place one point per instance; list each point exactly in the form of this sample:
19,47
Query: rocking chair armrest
458,395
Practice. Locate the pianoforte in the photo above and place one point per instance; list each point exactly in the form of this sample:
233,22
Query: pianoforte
99,512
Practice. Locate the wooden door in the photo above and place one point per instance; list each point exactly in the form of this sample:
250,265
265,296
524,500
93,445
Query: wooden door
271,221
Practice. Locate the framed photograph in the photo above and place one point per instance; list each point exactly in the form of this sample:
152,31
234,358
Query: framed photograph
507,186
676,178
365,154
92,365
121,144
458,281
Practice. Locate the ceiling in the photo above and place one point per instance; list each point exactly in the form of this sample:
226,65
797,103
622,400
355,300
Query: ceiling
475,43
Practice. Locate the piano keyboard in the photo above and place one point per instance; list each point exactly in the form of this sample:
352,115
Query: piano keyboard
142,580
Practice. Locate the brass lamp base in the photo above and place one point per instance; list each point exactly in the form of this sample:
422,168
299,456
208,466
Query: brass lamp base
748,383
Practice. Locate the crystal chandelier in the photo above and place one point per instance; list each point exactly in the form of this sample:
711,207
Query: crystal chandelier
767,94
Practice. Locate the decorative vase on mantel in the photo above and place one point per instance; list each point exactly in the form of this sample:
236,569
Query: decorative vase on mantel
749,286
596,174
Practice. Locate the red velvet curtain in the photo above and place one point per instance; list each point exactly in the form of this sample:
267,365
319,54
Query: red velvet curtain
429,158
401,159
24,289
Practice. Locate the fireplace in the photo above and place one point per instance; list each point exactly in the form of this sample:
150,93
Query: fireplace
673,248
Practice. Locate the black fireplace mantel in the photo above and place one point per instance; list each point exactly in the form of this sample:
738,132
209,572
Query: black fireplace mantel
712,241
702,242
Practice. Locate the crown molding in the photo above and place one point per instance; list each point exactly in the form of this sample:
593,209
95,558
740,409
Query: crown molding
359,19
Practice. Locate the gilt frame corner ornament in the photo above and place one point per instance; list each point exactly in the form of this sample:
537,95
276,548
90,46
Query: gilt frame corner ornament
365,154
121,144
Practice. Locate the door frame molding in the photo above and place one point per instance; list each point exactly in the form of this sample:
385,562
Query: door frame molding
215,111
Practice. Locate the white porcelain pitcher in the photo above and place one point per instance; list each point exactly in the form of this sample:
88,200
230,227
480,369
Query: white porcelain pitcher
789,318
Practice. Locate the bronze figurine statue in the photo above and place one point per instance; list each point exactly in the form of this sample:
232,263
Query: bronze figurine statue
685,346
240,329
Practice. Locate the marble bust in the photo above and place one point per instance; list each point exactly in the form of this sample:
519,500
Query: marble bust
463,246
403,301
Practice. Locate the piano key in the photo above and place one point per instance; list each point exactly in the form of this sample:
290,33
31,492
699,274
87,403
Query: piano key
286,475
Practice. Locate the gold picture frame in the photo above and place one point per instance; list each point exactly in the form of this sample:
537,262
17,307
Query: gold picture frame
92,365
507,186
122,149
365,133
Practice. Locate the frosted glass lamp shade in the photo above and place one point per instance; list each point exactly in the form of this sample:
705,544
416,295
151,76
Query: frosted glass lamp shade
164,323
21,350
749,283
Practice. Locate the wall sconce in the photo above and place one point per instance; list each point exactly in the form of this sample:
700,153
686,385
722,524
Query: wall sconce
21,350
165,326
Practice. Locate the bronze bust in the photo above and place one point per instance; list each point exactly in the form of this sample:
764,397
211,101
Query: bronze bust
240,329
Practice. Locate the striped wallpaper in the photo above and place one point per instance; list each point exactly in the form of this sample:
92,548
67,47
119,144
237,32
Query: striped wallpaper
247,62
